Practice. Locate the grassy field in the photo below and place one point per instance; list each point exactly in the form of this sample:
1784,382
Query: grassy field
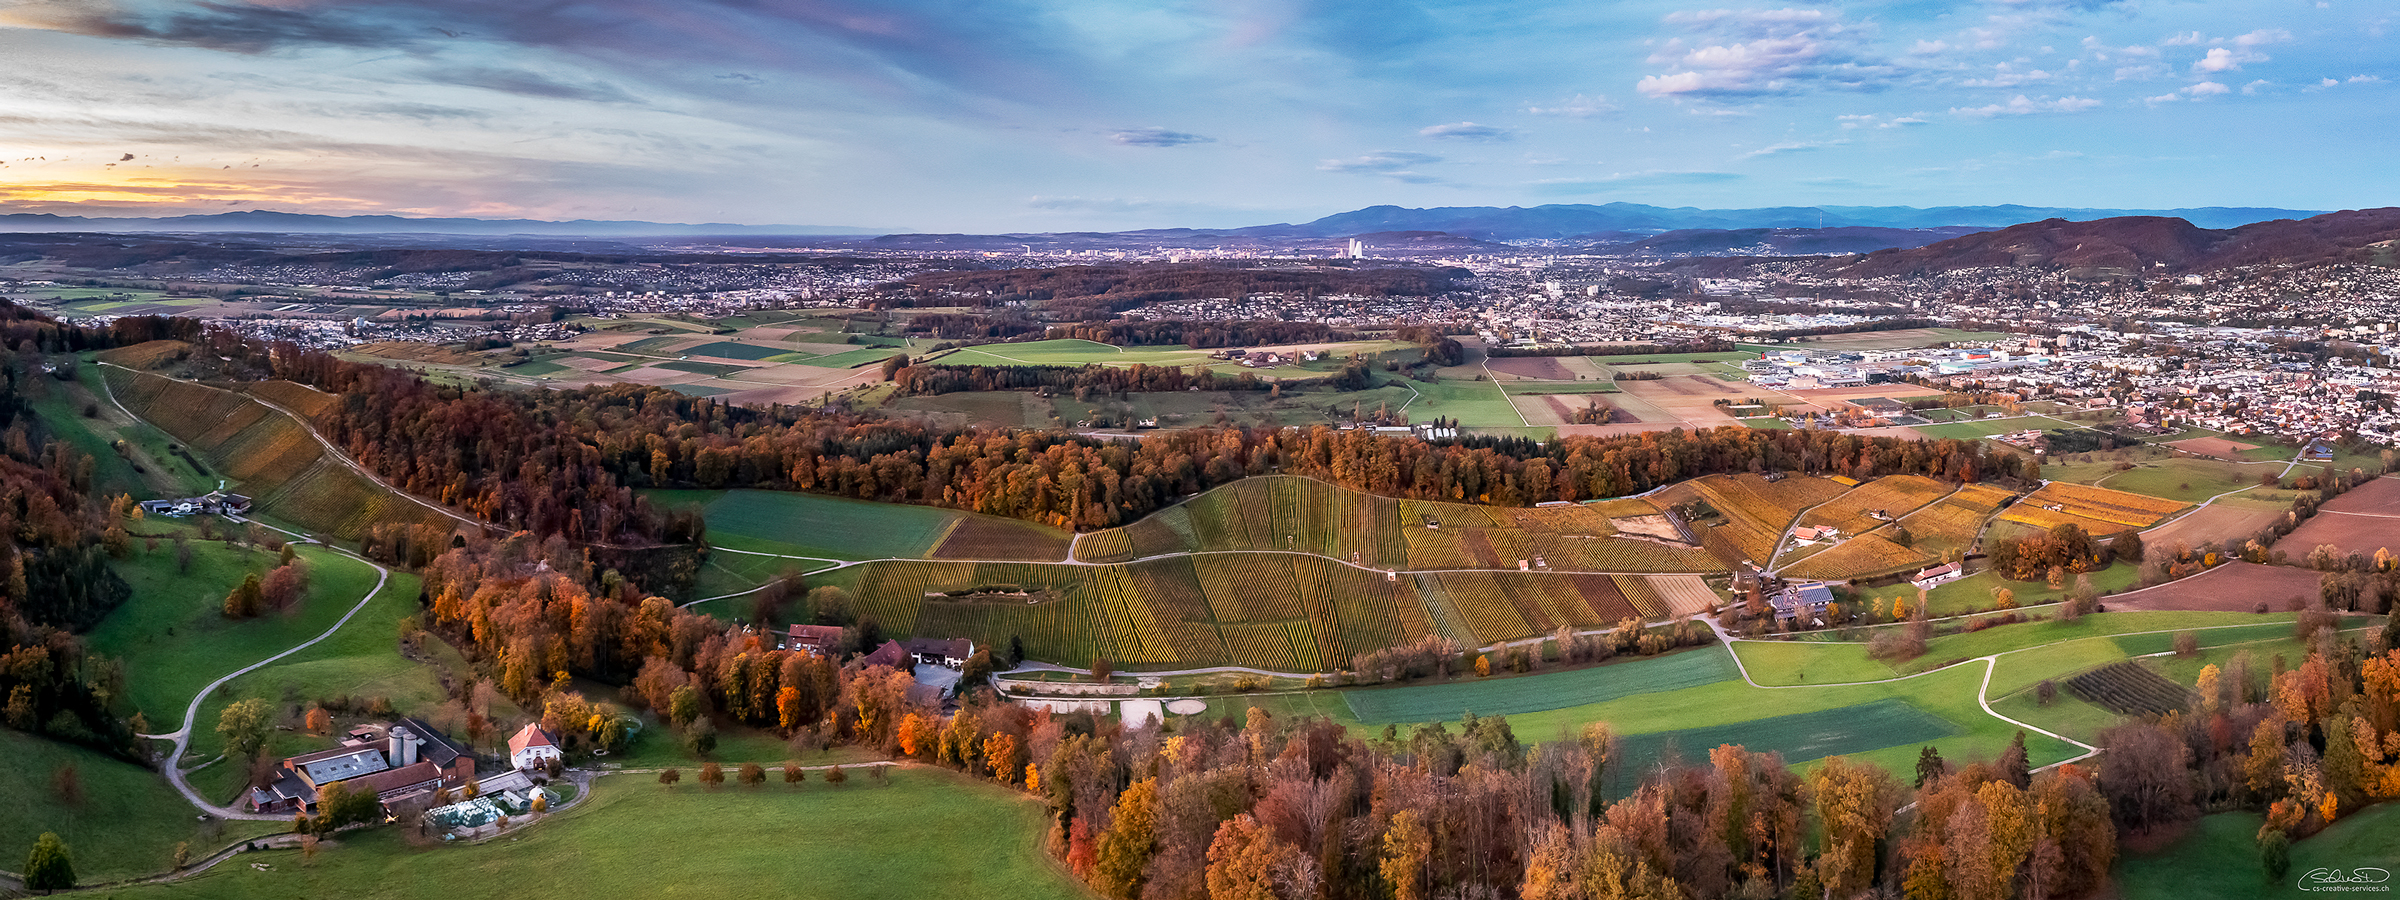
1984,427
1524,694
1800,737
173,634
1974,592
928,832
127,823
815,524
358,661
2219,857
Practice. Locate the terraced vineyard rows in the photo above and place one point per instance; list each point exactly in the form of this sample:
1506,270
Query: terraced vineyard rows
1894,495
2130,688
1291,613
1859,557
1642,596
2098,510
272,457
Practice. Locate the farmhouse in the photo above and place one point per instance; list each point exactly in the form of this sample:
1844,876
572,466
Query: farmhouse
409,759
212,503
1810,597
951,653
891,654
1939,575
532,747
818,639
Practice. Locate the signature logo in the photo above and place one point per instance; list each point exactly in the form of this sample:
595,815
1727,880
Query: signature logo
2356,879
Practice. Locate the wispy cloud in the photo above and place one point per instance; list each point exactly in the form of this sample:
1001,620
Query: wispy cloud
2021,105
1398,165
1158,137
1622,180
1576,107
1466,131
1790,147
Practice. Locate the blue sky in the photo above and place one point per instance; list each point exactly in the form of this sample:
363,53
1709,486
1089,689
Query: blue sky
1002,115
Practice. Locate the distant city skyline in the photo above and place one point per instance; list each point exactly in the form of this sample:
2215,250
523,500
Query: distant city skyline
1011,116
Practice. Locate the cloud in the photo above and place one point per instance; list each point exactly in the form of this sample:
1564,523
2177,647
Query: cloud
2004,75
1790,147
2200,91
2184,39
1755,53
2263,36
2220,59
2364,79
1576,107
2207,89
2021,105
1398,165
1466,131
522,82
229,26
1158,137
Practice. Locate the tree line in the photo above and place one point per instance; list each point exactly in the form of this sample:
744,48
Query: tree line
926,380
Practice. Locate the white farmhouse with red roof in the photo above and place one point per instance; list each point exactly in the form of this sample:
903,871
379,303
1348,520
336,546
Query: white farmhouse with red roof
531,747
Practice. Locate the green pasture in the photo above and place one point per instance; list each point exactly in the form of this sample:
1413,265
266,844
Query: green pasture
1769,423
2219,857
126,822
716,370
814,524
1800,737
736,350
1983,428
1974,592
928,832
173,635
851,359
1534,693
1475,404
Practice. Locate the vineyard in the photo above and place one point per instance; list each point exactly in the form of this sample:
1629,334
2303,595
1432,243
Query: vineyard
308,402
992,537
2130,689
272,457
1859,557
1894,495
1306,516
2096,510
1950,525
1275,611
1756,510
1498,606
1685,595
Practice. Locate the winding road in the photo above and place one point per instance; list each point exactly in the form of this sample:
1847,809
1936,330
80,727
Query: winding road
182,737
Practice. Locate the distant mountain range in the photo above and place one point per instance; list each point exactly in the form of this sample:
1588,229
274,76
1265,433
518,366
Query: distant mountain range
270,222
1609,223
2142,244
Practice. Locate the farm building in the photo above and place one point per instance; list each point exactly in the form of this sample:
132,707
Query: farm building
212,503
532,747
818,639
1939,575
891,654
950,653
1809,597
407,759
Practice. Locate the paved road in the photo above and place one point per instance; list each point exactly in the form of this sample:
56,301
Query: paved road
182,737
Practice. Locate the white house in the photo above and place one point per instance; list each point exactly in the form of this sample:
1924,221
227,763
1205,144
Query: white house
532,747
1937,576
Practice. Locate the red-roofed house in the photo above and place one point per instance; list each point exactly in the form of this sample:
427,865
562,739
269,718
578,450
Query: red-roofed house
890,654
531,747
818,639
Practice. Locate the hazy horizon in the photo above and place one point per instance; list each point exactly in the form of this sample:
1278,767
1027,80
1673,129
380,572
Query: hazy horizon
1055,116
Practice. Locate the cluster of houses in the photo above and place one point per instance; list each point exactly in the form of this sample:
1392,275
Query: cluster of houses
411,767
918,654
1267,359
213,503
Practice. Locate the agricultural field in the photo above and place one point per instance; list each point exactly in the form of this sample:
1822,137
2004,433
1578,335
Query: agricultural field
1864,556
2234,518
1288,513
1946,528
1275,611
1498,606
1800,737
2180,478
270,456
2129,689
1534,693
1976,591
1893,496
2363,520
2233,587
934,833
815,525
1756,511
2099,511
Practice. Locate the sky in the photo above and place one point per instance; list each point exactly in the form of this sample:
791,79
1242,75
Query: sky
1008,115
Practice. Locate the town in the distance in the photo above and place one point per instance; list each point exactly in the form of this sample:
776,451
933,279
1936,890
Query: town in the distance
1556,552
